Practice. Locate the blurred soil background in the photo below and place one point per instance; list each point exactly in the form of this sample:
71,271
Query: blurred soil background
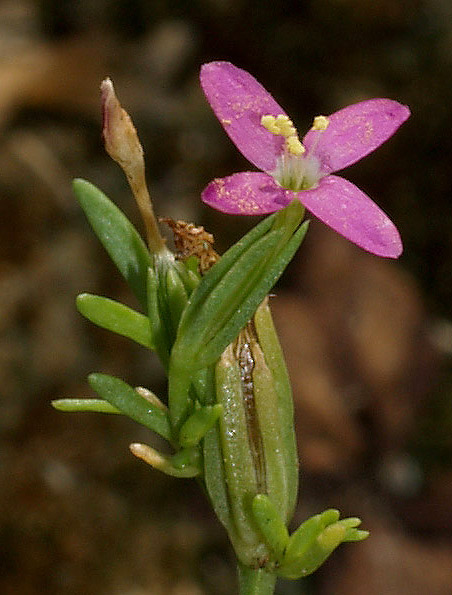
368,341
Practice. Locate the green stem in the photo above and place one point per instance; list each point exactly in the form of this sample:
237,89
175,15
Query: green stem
255,582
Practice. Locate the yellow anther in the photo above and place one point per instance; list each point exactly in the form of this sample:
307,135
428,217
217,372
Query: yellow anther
269,122
320,123
285,126
294,146
280,126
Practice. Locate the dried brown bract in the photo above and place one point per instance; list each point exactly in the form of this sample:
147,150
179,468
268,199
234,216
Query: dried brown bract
190,240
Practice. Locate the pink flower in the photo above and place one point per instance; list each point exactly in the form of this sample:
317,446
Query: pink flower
263,133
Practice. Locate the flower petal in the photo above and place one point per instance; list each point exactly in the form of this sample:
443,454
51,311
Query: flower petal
354,132
350,212
239,102
247,193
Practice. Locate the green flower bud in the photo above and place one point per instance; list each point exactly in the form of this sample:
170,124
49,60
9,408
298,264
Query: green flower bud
313,542
252,451
169,286
198,424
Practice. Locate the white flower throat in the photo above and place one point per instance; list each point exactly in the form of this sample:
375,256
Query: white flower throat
295,170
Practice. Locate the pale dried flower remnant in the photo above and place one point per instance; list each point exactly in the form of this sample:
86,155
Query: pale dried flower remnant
123,145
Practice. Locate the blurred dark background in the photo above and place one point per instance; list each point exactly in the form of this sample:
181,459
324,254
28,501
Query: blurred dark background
368,341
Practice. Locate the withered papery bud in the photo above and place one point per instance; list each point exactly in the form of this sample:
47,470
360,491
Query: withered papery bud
119,133
123,146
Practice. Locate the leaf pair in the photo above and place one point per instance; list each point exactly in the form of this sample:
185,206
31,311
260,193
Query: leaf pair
227,297
161,284
301,553
145,408
230,292
118,397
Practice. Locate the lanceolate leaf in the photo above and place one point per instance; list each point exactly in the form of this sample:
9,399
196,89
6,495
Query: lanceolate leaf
271,524
274,359
229,294
116,317
198,424
156,324
85,405
248,305
129,402
312,543
217,272
118,236
185,463
227,298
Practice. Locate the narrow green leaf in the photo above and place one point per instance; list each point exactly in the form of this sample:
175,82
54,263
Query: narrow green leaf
229,294
240,478
274,359
130,403
246,308
180,401
204,385
215,480
198,424
176,296
84,405
217,272
158,330
315,540
116,317
118,236
186,463
301,539
356,535
270,524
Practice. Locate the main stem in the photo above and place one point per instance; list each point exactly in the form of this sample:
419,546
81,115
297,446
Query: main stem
255,582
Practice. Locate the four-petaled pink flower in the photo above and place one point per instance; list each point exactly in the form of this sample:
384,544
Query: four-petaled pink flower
263,133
